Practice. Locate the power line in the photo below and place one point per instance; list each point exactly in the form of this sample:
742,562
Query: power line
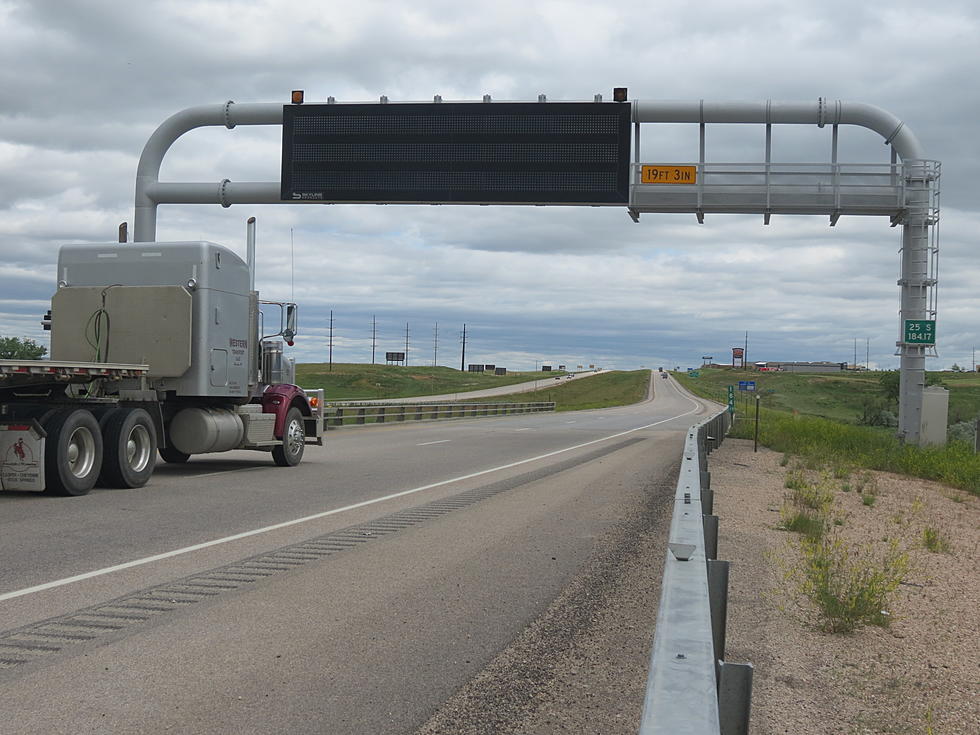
435,346
462,360
331,341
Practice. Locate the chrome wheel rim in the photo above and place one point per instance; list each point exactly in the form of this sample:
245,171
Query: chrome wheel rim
81,452
138,449
294,438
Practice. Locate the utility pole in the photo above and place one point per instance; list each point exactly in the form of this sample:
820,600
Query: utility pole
855,353
374,335
435,346
462,360
330,369
745,352
406,344
867,353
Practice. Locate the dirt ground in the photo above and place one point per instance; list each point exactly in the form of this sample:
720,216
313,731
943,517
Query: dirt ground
919,674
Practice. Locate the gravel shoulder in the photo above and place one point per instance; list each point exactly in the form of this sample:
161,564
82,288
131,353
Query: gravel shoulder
582,666
917,675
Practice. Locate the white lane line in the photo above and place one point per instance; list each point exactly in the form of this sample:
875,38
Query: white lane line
441,441
526,428
228,472
324,514
569,422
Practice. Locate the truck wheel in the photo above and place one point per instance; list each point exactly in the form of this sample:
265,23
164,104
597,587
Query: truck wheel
73,452
130,441
290,452
173,456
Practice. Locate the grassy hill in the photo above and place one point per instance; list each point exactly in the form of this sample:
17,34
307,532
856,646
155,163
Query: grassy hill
351,381
835,396
614,388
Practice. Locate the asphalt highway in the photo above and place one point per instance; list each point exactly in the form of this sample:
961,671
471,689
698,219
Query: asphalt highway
360,592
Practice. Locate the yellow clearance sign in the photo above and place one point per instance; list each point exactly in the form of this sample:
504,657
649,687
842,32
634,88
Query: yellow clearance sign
668,174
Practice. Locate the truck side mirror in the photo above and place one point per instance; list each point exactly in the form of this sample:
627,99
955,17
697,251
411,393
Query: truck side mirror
292,319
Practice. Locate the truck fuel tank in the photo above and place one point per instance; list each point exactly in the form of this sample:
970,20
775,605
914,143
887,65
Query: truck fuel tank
203,430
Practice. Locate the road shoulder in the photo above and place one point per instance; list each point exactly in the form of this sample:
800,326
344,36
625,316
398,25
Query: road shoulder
918,675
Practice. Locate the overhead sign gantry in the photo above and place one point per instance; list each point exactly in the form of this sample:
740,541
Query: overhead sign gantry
579,154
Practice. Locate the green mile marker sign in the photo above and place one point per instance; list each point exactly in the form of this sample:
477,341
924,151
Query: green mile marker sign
920,331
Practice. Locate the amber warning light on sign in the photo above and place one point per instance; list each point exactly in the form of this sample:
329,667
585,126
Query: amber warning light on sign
668,174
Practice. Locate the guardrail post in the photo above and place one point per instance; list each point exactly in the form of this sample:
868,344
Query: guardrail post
718,600
381,415
710,536
418,412
707,500
401,412
734,697
338,419
360,415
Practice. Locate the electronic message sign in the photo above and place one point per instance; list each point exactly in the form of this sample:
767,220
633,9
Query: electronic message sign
457,153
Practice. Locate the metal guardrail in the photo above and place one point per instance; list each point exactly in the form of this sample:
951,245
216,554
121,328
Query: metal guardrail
691,689
353,414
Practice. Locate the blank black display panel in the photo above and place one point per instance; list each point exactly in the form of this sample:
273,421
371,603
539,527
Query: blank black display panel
463,153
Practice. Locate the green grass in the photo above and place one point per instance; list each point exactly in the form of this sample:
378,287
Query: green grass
349,381
825,442
614,388
788,425
837,396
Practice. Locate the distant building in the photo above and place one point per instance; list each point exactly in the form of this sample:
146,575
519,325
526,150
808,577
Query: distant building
802,367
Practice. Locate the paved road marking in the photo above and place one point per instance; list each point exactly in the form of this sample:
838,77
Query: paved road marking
324,514
441,441
526,428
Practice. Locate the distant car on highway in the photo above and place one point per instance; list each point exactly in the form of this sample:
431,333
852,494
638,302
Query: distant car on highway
663,375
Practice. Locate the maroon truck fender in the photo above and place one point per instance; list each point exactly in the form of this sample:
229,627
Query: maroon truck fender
279,398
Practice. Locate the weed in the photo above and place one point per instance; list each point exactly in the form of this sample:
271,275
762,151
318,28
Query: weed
814,497
784,461
868,499
795,480
850,586
845,487
936,541
810,525
866,483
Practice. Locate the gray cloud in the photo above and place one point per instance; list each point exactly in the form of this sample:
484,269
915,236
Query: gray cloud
82,86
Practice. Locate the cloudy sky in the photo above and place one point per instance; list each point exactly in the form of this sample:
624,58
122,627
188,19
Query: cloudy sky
83,84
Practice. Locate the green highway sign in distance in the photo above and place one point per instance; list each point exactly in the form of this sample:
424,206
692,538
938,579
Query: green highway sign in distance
920,331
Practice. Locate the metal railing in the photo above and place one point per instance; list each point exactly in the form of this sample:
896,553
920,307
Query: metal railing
353,414
690,687
778,188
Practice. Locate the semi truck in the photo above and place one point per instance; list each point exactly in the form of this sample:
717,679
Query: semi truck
157,348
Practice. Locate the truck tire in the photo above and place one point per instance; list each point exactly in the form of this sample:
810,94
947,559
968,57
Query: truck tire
173,456
73,452
130,441
290,452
